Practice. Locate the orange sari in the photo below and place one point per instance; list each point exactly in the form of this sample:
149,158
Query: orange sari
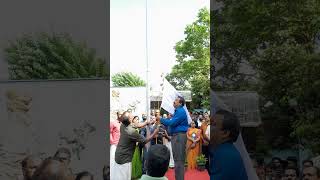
193,152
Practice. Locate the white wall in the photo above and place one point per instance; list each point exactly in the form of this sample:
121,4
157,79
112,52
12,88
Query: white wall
58,107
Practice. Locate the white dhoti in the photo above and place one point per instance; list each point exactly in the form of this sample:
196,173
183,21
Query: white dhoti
121,172
113,149
171,164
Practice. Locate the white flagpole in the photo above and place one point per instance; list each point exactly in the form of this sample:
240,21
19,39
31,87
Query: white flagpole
147,68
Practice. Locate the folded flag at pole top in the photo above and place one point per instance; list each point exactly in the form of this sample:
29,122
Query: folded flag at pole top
169,94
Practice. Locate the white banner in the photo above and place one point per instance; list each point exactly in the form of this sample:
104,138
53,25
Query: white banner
169,94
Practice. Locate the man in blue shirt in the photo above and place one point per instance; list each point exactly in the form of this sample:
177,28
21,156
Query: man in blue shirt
178,126
225,160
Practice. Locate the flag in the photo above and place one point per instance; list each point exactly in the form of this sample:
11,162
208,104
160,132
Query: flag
169,94
217,104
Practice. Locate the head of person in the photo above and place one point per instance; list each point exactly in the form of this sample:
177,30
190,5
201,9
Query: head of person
311,173
225,127
84,176
307,163
206,116
135,119
125,118
291,174
29,166
144,117
292,162
63,155
157,112
157,161
276,162
193,124
152,112
52,169
118,114
179,101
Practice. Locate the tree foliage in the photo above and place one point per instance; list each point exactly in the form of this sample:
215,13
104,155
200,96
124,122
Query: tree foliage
277,39
52,56
127,79
192,70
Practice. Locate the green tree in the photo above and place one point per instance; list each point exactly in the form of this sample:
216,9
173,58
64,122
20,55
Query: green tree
52,56
278,40
192,70
127,79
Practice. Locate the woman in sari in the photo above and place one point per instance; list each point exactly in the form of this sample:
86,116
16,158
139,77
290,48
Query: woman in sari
193,145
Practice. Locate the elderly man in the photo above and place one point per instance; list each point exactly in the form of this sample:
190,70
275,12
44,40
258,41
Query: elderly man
126,146
226,162
311,173
178,126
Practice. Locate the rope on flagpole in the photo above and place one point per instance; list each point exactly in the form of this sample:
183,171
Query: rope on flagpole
147,66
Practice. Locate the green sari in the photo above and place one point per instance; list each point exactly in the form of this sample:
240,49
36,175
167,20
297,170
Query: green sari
136,163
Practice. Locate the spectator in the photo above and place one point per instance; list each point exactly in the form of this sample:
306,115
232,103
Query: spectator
193,145
226,161
307,163
311,173
114,138
84,176
29,165
205,141
157,163
292,162
64,155
126,146
52,169
277,168
291,173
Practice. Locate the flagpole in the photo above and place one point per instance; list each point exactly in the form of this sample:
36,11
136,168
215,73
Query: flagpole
147,67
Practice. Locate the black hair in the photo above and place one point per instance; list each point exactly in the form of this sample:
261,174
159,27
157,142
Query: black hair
125,118
181,100
41,172
84,174
276,158
230,123
63,150
307,161
157,161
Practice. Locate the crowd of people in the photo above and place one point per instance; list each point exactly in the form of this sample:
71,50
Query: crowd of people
288,169
56,167
131,140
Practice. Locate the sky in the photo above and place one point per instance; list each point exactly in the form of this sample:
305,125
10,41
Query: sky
166,23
